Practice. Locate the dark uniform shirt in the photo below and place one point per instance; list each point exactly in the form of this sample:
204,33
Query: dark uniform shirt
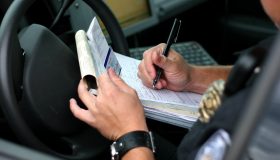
225,117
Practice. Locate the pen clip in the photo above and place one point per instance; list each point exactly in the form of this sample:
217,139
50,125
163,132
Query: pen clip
178,30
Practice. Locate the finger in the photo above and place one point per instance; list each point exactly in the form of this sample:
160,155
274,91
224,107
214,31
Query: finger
117,80
149,57
148,64
82,114
145,82
105,83
161,84
144,75
84,94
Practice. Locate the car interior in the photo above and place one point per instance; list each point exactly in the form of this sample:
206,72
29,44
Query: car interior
39,71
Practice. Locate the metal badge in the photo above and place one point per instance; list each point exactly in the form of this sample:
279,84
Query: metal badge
215,147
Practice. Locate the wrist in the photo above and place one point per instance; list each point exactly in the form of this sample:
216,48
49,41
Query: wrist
139,125
139,153
197,79
130,141
200,77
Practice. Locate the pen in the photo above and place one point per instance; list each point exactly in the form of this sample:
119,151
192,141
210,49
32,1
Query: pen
172,38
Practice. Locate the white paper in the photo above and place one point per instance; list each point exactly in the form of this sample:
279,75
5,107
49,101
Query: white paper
100,49
129,75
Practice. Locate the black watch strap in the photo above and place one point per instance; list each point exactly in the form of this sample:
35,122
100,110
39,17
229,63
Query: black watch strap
132,140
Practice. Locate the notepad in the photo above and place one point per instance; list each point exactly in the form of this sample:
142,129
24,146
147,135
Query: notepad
95,55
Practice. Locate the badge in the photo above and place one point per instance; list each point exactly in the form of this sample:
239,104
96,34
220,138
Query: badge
215,147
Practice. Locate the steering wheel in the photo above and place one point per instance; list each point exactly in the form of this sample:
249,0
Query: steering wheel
38,76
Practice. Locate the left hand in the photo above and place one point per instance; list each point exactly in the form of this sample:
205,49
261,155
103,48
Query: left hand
115,111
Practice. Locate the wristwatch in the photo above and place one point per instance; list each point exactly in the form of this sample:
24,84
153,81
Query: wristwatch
131,140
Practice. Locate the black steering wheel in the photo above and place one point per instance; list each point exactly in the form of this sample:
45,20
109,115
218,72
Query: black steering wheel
38,76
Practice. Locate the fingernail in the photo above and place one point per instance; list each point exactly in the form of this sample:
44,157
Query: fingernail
71,99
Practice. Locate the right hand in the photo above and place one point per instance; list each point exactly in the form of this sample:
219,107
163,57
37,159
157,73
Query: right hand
176,71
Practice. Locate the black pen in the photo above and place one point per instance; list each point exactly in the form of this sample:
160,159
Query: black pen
171,39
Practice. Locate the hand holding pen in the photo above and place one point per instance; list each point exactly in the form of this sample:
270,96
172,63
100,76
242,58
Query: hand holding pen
171,39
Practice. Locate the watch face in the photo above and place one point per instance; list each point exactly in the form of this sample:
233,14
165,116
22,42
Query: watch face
130,141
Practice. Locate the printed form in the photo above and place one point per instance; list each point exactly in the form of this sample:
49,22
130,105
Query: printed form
129,75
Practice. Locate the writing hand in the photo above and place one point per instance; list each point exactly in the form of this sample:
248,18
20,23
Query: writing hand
176,71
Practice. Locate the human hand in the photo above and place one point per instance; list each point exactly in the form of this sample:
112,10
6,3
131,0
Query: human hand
115,111
176,71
